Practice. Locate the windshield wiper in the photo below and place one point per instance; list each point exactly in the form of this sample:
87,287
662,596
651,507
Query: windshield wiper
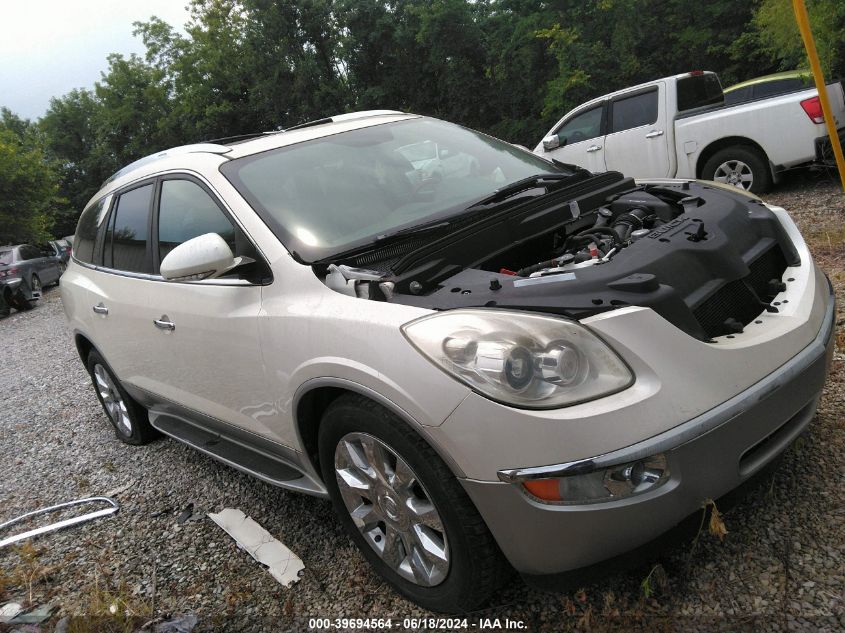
510,190
416,228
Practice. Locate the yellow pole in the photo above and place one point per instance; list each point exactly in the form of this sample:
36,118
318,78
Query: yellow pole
809,43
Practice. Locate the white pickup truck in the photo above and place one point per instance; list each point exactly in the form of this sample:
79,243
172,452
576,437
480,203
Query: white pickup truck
679,127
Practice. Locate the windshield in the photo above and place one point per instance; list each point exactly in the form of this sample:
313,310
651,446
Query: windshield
332,194
6,257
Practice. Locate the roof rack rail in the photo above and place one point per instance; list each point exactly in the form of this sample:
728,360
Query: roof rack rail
337,118
211,148
237,138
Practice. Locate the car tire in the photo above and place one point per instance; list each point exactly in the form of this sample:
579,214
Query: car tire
736,165
403,507
35,288
129,419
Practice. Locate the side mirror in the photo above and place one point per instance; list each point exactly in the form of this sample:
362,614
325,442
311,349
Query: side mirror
551,142
203,257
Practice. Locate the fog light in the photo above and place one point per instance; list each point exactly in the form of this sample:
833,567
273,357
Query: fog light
616,482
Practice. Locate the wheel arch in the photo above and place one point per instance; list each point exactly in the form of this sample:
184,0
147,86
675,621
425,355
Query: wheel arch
315,396
83,346
724,143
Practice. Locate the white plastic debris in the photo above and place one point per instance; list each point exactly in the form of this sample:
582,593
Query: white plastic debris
9,611
282,563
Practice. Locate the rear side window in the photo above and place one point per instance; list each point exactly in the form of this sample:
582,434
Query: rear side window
28,252
7,257
125,247
186,211
634,111
582,127
697,91
86,230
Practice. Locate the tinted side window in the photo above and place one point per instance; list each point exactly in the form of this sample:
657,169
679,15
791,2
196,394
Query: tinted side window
86,230
27,252
187,211
699,90
631,112
131,230
582,126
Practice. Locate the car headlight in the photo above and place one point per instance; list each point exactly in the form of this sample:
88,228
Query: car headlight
522,359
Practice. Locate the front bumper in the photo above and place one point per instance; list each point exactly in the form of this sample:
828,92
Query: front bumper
708,457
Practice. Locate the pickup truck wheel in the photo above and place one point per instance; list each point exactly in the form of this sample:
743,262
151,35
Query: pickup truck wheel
740,166
404,509
129,419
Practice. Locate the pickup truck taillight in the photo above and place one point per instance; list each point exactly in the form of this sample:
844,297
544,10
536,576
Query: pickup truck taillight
813,108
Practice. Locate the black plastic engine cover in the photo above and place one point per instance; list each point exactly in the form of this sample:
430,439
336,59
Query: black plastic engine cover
678,270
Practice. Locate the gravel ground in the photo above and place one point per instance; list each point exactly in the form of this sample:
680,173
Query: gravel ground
780,567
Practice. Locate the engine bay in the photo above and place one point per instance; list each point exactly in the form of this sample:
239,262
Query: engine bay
706,259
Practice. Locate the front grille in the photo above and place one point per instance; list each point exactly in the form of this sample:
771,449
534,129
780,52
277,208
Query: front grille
741,300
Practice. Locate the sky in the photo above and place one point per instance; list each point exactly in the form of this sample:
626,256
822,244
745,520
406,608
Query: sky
50,47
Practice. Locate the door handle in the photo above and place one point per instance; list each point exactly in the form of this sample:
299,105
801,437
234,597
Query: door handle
164,323
100,308
654,134
594,148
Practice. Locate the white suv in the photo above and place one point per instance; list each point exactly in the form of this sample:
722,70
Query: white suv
511,363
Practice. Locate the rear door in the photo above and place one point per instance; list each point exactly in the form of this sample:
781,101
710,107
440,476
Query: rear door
581,137
118,289
637,143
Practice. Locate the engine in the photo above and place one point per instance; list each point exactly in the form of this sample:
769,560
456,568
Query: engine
706,259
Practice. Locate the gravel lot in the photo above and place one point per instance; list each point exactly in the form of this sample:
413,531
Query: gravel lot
781,565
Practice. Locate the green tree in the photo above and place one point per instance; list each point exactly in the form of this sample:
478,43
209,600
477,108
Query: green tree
28,187
777,34
73,144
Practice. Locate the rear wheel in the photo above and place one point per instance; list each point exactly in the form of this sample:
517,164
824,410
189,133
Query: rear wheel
129,419
405,510
741,166
34,290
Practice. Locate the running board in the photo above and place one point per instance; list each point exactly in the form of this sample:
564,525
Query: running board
266,467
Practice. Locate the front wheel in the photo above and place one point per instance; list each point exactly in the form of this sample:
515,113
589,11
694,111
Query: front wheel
405,510
741,166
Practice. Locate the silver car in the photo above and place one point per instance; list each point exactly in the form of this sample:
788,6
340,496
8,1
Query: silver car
520,365
24,271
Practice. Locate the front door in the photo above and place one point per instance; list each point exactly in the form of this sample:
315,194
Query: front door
204,334
581,140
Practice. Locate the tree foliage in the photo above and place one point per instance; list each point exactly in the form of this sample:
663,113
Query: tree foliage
28,189
507,67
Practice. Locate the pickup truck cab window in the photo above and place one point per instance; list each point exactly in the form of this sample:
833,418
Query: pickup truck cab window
633,111
582,127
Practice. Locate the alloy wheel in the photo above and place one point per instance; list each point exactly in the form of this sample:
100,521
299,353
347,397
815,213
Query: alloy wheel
736,173
35,287
112,400
391,508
